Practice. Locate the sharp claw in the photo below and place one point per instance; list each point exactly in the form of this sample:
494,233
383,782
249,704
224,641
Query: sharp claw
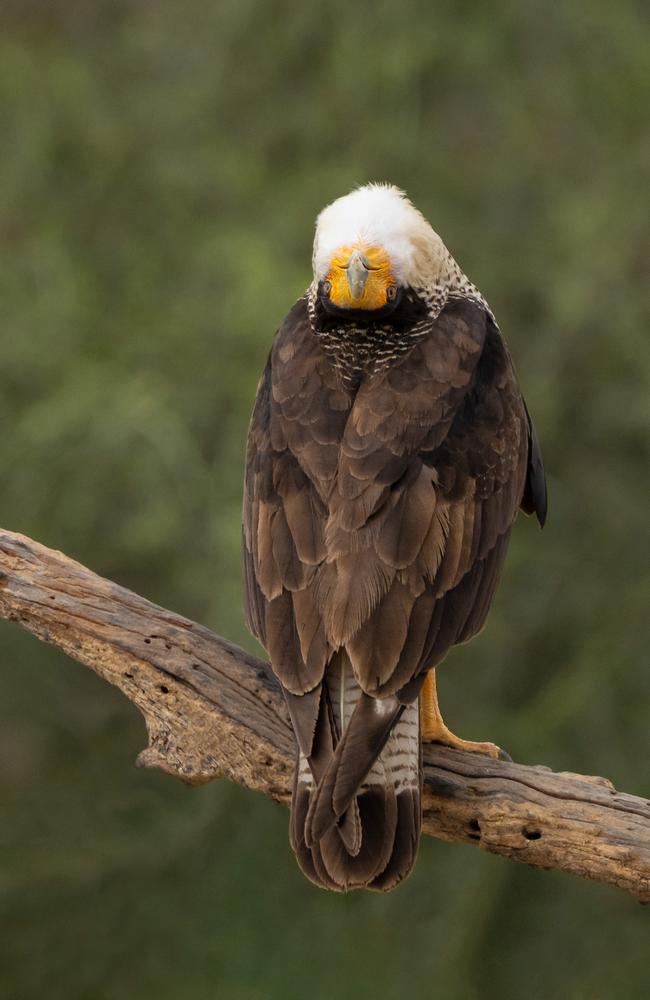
489,749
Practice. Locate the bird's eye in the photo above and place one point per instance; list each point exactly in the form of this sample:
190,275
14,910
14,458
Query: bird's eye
391,293
327,287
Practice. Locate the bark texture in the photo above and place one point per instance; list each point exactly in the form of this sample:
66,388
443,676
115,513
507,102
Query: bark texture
213,710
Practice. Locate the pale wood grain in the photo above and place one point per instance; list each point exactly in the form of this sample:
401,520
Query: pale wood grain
213,710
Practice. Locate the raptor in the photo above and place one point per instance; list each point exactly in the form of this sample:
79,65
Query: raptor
389,451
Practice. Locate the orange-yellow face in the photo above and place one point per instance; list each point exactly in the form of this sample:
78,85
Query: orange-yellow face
360,277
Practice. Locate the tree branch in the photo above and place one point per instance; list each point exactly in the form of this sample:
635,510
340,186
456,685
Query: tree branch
212,710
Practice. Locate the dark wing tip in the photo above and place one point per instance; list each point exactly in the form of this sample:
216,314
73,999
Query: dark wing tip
535,498
542,508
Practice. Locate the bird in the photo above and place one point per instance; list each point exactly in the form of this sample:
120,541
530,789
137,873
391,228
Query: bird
388,454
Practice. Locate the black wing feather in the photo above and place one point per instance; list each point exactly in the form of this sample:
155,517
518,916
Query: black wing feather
535,498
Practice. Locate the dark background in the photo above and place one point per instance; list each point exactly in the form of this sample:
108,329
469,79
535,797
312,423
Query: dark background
161,167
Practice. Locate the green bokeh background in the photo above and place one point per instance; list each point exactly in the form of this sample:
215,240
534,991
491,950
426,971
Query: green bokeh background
161,167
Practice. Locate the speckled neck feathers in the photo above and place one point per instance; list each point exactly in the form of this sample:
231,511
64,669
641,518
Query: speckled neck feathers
357,347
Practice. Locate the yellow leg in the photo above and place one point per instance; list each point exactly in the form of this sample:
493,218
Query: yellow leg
434,729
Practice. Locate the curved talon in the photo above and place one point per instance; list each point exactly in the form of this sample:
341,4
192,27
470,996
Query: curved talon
448,739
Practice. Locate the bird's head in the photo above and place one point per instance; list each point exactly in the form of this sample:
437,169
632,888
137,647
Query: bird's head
369,247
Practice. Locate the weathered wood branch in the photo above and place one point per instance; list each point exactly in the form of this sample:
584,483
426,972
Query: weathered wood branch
212,710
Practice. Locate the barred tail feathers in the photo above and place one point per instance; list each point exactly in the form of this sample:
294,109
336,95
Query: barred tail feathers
356,824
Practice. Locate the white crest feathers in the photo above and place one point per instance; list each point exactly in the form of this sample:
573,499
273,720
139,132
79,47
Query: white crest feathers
382,215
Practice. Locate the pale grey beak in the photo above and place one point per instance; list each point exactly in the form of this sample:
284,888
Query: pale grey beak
357,273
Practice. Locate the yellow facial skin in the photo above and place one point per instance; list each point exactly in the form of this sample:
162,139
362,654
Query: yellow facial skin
361,277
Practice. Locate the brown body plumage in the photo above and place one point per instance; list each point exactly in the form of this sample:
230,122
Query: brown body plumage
388,455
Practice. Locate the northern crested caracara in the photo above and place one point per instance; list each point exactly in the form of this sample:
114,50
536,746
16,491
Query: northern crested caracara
389,451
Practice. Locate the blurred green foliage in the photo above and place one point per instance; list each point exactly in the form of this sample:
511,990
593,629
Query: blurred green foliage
161,168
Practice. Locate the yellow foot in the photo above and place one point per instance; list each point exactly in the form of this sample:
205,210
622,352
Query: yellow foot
434,730
440,734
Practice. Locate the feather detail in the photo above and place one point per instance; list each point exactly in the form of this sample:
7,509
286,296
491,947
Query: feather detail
359,584
375,648
407,525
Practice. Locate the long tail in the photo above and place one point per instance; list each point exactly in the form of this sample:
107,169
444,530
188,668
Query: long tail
356,813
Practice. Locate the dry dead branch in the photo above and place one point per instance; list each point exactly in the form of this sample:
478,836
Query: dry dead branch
212,711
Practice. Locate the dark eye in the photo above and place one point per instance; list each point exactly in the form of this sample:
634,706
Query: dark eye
327,287
391,293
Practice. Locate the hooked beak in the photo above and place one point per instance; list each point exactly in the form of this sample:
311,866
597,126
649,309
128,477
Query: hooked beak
357,273
360,277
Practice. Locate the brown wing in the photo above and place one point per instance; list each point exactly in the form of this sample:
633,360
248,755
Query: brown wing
293,446
378,521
